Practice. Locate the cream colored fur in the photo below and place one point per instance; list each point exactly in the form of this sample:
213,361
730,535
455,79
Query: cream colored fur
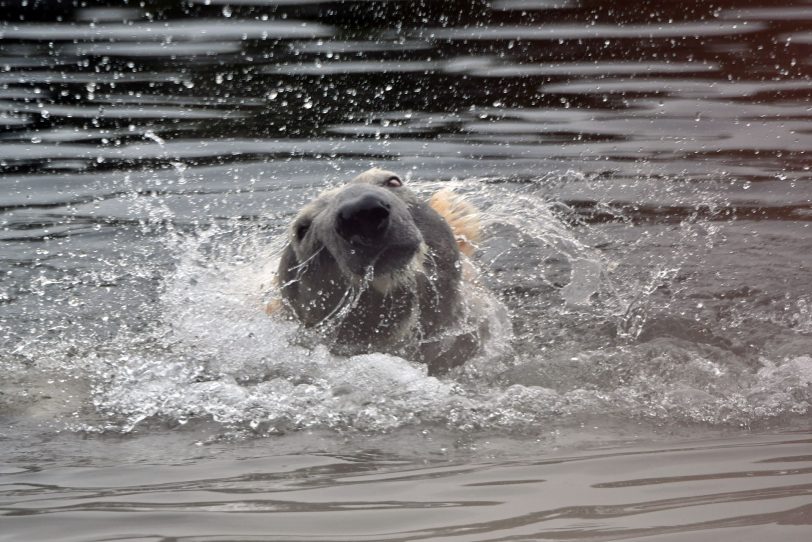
462,216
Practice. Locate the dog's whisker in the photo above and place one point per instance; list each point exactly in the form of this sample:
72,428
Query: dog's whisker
302,265
299,270
348,301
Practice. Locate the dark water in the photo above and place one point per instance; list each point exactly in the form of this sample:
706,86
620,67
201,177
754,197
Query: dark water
643,170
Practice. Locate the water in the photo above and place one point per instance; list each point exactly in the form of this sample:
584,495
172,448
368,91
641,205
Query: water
644,179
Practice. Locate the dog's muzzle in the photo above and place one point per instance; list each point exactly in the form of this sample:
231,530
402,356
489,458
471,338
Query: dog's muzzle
363,220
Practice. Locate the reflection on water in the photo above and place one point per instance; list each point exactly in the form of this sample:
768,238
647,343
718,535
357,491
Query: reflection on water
644,177
744,489
282,70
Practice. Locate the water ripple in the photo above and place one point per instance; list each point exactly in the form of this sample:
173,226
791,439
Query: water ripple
189,30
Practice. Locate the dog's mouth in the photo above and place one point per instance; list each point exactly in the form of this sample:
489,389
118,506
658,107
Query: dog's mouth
377,260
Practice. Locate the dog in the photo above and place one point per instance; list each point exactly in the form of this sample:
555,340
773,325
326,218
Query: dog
375,268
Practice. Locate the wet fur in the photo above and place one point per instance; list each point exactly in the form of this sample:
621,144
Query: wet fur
461,216
414,309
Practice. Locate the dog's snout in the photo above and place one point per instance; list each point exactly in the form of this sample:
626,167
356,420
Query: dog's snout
363,219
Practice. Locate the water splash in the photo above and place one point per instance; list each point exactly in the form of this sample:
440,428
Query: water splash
214,354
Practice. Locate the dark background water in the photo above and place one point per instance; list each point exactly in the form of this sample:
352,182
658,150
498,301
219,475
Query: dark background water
644,171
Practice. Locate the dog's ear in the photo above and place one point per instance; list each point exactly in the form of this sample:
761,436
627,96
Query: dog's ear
462,216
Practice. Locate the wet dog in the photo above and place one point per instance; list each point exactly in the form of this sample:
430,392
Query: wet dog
375,268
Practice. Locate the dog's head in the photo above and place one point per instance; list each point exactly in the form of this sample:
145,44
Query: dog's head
366,226
379,270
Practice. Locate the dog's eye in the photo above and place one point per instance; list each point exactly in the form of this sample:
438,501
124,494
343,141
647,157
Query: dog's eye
301,230
393,182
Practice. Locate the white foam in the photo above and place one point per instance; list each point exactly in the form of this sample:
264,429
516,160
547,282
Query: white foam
215,354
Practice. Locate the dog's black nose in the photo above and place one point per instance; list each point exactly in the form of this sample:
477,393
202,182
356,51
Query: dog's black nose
363,219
